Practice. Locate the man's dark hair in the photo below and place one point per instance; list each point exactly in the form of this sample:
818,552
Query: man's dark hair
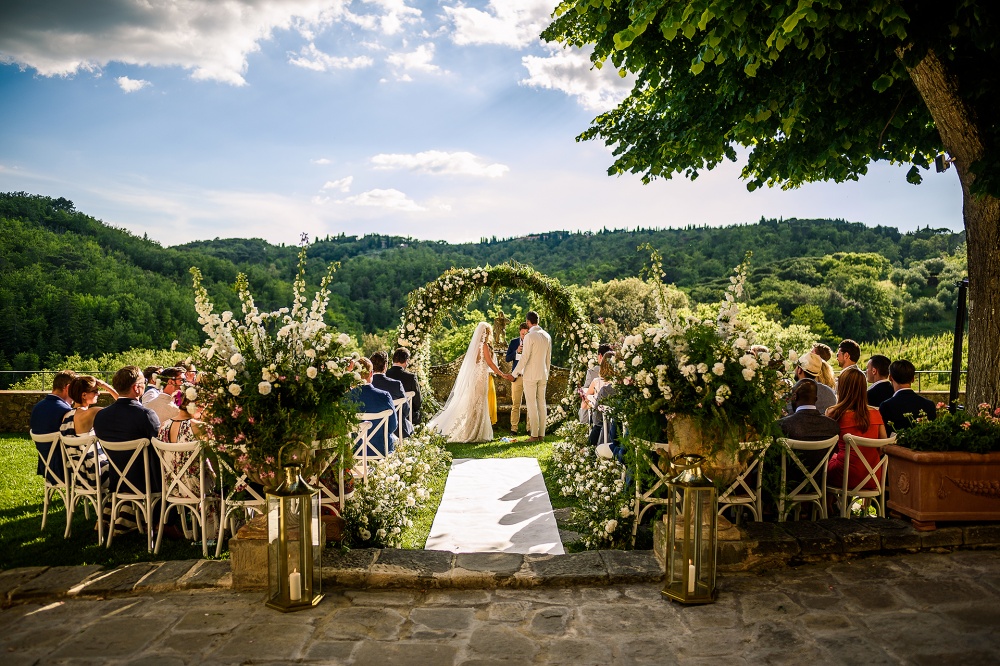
379,360
851,348
401,355
171,373
125,378
823,350
603,349
902,372
524,327
803,393
881,364
150,373
62,379
532,318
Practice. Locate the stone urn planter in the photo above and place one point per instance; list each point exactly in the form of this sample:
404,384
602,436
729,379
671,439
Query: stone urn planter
935,486
685,436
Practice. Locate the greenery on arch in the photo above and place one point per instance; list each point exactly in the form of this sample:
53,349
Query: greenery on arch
457,287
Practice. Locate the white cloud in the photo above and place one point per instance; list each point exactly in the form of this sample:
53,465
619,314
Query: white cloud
312,58
418,60
393,199
570,71
514,23
441,163
211,39
321,161
341,184
131,85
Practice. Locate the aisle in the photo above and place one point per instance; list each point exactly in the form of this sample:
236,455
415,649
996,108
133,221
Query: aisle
495,505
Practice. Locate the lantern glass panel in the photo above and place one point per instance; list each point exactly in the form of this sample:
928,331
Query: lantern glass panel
294,544
691,535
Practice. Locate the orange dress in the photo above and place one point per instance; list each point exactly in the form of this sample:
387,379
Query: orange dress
835,468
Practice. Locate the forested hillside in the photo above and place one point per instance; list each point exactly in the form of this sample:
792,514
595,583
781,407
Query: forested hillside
71,284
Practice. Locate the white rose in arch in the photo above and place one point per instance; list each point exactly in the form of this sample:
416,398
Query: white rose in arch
235,389
264,388
311,372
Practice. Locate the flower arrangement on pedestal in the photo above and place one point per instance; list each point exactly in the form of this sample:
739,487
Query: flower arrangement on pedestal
704,369
275,383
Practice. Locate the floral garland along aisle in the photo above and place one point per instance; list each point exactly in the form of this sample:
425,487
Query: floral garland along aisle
457,287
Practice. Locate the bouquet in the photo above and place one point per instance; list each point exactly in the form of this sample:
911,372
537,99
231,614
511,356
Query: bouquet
276,386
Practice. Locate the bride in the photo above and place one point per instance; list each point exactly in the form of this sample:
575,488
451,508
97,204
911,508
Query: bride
466,414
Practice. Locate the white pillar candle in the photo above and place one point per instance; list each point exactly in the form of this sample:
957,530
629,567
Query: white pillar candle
295,586
691,577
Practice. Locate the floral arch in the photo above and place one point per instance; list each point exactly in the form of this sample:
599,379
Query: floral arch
458,287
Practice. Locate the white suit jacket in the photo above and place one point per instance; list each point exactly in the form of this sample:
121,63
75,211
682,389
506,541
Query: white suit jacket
536,356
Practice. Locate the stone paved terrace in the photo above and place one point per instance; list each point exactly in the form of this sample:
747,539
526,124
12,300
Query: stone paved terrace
924,608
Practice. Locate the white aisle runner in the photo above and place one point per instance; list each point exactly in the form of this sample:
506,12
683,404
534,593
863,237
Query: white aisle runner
495,505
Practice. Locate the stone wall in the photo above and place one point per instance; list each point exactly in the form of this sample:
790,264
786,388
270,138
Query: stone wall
15,408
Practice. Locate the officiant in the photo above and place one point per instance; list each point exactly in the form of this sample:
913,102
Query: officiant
514,351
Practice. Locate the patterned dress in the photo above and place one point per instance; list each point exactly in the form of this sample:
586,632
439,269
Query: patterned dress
192,479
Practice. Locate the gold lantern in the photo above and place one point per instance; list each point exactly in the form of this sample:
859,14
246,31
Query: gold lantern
294,549
691,533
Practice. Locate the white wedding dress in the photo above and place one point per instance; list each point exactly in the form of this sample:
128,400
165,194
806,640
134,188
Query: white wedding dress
466,414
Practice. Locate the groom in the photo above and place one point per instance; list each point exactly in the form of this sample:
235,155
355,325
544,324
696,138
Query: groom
534,372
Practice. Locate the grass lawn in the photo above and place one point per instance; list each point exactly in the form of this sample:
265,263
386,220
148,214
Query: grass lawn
22,541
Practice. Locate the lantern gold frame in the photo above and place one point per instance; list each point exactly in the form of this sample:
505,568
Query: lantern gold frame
294,545
691,533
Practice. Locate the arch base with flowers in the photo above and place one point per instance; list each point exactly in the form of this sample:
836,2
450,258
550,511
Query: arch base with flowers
457,287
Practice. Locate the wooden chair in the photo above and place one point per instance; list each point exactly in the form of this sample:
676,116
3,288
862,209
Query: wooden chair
177,491
55,474
876,473
745,491
92,493
126,490
812,488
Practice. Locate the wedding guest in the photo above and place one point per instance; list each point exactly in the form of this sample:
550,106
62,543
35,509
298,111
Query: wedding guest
596,394
806,424
393,387
809,367
151,375
854,417
47,416
79,421
190,371
162,402
187,426
373,401
593,372
877,373
126,420
905,406
400,361
848,355
514,351
825,375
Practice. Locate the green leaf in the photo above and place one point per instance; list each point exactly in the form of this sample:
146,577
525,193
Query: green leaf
751,69
791,22
689,31
696,67
707,16
882,83
913,176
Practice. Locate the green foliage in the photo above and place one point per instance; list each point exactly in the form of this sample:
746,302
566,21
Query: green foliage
973,431
104,364
621,306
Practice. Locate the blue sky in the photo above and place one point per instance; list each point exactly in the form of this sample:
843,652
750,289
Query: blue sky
194,119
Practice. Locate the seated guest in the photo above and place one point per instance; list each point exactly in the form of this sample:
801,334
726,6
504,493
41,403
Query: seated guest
905,406
373,400
809,367
393,387
190,372
806,424
126,420
826,375
79,421
47,416
599,391
854,417
877,373
151,375
593,372
400,359
848,355
162,402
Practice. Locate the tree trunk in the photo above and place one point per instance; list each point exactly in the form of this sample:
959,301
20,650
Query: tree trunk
958,125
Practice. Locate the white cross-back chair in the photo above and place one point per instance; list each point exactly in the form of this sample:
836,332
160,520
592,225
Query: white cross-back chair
326,496
846,495
56,483
409,401
177,491
397,404
745,491
125,491
90,492
647,499
812,488
364,450
237,483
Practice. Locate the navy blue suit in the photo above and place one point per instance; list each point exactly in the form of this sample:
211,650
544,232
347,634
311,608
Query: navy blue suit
46,417
879,393
394,387
905,402
375,400
512,352
410,383
124,420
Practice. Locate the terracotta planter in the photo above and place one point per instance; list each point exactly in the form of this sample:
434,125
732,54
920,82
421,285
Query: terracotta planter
943,486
